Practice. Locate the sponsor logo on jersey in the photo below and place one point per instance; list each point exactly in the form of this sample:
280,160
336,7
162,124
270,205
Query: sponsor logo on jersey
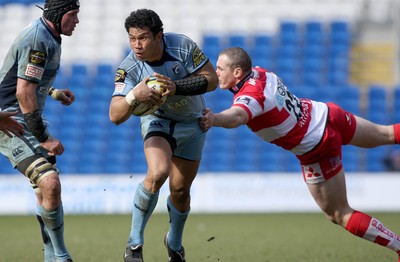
348,119
156,124
176,69
280,100
17,151
120,75
34,71
37,58
281,87
252,81
313,173
198,57
335,163
119,87
242,100
179,104
378,225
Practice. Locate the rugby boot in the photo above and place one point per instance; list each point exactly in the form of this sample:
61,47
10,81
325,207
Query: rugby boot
133,254
174,256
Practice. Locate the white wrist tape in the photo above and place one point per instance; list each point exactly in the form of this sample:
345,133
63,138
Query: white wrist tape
130,98
57,94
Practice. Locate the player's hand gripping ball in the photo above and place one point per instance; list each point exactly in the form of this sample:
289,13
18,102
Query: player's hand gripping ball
142,109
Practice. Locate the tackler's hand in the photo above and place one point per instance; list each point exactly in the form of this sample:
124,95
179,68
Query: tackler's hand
10,126
207,120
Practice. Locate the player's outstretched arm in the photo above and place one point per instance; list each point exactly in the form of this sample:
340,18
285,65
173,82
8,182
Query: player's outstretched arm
8,125
229,118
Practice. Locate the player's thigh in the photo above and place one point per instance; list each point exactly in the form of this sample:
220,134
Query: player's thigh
369,134
182,174
331,195
158,155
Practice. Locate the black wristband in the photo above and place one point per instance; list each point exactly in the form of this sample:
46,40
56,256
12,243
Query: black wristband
191,86
51,90
35,124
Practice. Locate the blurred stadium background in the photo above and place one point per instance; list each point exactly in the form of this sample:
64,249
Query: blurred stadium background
329,50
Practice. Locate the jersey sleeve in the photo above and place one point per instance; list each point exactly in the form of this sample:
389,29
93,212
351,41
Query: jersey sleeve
32,56
251,99
197,59
193,56
123,83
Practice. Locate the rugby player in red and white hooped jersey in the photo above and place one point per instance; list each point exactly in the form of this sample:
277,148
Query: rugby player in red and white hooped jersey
313,131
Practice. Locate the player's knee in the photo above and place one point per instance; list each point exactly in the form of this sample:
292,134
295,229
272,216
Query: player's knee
50,185
179,194
335,217
155,179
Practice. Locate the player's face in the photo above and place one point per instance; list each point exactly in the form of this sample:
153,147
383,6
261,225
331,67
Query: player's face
69,21
226,77
145,45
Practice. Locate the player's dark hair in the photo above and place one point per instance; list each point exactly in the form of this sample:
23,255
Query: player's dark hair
54,10
238,58
142,18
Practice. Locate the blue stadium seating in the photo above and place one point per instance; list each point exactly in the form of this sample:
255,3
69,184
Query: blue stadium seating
314,33
348,97
351,158
237,40
261,51
374,160
378,108
212,44
395,116
289,32
340,32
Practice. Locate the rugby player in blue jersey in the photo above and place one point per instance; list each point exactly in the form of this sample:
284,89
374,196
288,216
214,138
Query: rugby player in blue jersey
26,78
173,139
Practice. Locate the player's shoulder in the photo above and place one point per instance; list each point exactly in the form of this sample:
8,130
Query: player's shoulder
176,40
130,63
37,33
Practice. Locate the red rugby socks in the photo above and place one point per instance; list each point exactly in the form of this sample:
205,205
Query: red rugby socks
364,226
396,128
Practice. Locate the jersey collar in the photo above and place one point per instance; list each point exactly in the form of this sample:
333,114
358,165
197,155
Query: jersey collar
164,57
58,38
235,89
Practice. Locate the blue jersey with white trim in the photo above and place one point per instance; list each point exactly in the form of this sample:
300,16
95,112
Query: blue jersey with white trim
181,58
34,56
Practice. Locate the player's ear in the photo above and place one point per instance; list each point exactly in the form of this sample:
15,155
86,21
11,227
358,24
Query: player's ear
159,36
237,72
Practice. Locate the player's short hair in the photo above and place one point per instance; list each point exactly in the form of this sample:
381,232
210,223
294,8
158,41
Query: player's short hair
142,18
238,58
54,10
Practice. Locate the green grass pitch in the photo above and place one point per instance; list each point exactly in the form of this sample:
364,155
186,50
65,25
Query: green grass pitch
269,237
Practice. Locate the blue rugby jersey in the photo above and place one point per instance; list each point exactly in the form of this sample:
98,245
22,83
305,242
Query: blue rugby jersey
35,56
181,57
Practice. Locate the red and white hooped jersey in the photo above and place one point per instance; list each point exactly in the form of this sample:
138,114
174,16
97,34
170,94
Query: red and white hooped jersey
278,116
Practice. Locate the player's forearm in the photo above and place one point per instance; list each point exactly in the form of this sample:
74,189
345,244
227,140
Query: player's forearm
119,110
204,80
227,119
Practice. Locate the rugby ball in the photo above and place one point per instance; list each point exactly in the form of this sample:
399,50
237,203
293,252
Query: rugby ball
142,109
